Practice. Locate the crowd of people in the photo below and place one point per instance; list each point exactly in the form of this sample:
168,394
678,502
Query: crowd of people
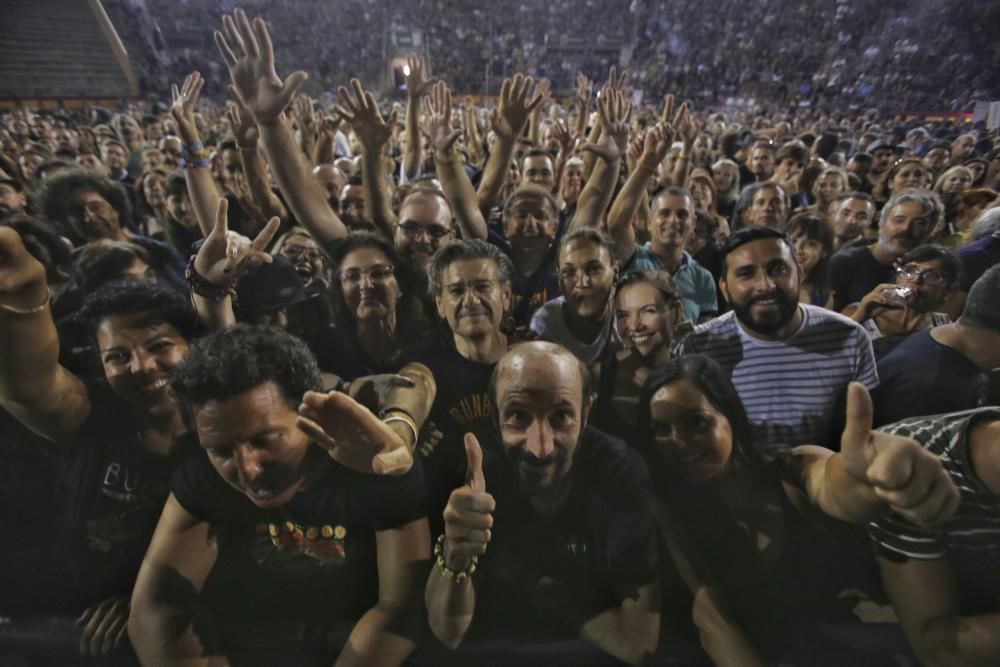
549,382
830,56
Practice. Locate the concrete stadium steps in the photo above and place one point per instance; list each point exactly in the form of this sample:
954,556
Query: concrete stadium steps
55,49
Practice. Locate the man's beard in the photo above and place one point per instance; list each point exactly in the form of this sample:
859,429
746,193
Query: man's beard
773,320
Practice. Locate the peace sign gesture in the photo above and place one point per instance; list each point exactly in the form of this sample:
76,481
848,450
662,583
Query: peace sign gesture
226,255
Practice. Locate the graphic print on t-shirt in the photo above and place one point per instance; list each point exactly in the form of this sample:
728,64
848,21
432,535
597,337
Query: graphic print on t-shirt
124,485
290,544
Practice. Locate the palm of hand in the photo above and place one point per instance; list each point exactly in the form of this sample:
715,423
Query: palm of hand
259,89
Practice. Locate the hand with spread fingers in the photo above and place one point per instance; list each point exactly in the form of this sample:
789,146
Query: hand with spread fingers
418,81
182,110
437,127
615,111
353,435
105,627
510,117
361,112
909,479
584,91
468,516
225,255
249,55
656,144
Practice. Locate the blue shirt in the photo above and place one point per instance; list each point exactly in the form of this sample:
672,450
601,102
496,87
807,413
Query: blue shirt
693,281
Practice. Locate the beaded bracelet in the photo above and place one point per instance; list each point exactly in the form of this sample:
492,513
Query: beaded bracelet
196,164
191,149
457,577
204,288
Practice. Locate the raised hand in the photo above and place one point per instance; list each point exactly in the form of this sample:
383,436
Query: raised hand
656,144
544,90
468,517
437,127
418,82
584,91
242,124
510,117
615,111
687,126
330,125
618,82
565,138
182,109
249,55
226,255
908,478
361,111
353,435
22,277
305,114
104,627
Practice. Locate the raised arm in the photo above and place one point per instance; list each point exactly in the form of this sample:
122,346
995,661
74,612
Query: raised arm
584,91
688,129
361,111
326,143
458,188
249,55
544,89
875,473
169,625
202,188
615,112
509,119
34,388
247,137
417,85
222,258
656,144
468,519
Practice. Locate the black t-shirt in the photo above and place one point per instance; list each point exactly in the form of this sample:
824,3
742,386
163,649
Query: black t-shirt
461,406
854,273
337,351
111,491
311,561
597,549
923,377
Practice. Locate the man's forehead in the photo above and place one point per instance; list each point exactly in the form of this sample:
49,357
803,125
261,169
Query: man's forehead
467,269
760,251
539,372
583,250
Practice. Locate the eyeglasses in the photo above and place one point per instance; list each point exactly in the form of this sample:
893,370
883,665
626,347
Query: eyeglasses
379,273
928,277
413,230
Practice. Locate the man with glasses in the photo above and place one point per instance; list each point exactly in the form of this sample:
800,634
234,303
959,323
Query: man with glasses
471,285
941,369
425,223
927,277
907,220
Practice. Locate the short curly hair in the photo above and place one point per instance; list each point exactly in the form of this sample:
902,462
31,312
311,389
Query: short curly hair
233,361
123,297
60,208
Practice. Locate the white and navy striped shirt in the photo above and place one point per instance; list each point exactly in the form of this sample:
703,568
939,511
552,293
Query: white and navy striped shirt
975,528
789,387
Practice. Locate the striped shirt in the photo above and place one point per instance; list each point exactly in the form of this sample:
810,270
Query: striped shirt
789,387
975,529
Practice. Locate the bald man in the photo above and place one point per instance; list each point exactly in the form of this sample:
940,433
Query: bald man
552,537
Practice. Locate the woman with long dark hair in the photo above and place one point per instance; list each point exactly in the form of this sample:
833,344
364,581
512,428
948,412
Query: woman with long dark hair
769,571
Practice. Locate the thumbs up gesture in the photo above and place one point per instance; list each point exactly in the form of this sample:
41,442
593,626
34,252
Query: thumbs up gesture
908,478
468,517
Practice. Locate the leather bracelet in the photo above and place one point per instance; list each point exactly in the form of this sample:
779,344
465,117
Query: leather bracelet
457,577
36,309
204,288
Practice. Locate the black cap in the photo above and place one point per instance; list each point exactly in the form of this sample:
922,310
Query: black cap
270,287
